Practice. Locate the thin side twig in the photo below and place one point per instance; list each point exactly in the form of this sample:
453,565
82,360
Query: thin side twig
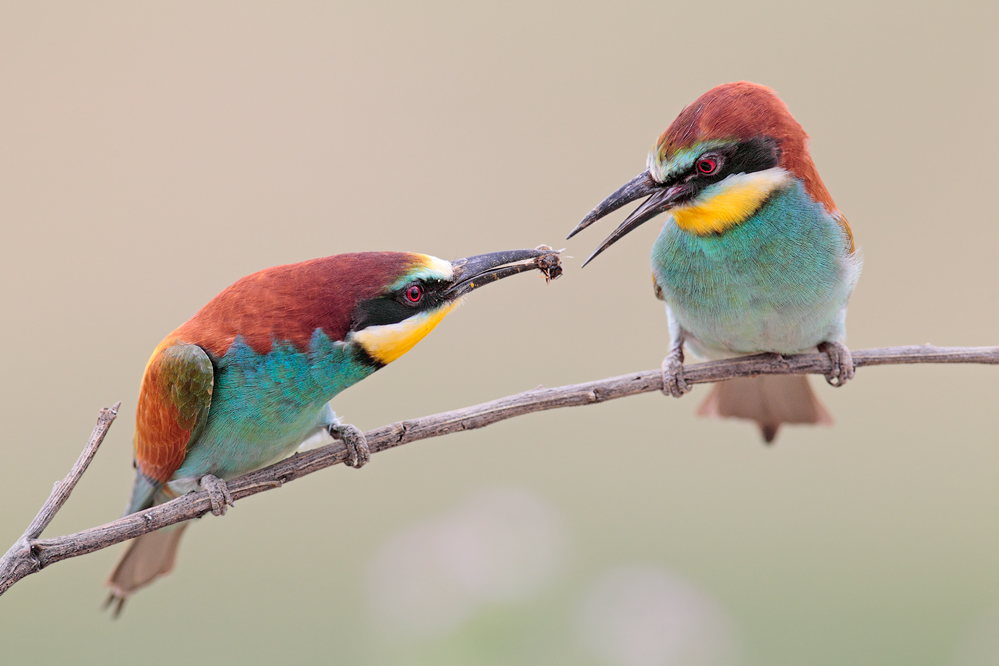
20,560
44,552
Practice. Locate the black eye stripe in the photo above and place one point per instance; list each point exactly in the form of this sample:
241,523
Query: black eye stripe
399,304
757,154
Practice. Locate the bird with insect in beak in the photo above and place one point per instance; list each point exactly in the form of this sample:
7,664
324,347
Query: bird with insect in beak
249,378
753,255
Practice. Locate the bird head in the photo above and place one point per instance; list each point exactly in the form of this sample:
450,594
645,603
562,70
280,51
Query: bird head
417,292
716,164
380,303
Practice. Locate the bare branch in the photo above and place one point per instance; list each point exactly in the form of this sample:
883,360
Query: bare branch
31,554
20,560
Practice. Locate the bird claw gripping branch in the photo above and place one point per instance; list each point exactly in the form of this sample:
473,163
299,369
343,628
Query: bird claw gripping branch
842,362
218,493
358,453
674,383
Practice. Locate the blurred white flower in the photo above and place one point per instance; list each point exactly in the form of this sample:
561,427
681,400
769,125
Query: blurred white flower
500,545
643,616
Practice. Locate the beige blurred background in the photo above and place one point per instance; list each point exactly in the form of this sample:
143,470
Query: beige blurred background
152,153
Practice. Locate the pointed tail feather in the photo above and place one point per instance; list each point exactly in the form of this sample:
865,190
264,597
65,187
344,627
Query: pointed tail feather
147,558
770,400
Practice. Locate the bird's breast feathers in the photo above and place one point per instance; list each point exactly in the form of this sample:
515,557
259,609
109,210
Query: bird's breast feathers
778,281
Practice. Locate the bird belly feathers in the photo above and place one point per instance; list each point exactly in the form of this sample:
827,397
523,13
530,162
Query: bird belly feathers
778,281
265,405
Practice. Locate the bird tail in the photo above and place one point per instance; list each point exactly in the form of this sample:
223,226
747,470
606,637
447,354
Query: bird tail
770,400
148,557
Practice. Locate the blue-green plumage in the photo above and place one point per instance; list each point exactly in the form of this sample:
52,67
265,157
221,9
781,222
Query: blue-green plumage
779,281
267,405
263,407
754,255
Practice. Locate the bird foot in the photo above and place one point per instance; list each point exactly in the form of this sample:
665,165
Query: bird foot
842,362
358,453
218,493
674,383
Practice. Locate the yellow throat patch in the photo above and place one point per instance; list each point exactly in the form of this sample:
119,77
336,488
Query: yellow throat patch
388,342
729,203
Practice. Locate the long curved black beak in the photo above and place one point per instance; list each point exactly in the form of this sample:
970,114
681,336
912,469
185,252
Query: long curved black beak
471,273
662,198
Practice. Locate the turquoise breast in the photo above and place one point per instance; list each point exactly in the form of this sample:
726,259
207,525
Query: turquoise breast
265,405
777,282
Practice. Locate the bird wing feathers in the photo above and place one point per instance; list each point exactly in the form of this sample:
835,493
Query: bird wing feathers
174,401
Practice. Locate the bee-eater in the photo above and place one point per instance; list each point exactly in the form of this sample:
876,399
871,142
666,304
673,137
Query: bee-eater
753,255
249,378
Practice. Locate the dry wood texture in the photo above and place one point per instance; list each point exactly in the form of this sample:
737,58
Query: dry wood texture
31,554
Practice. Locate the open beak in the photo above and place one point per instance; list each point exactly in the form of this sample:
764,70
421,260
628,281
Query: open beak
662,197
471,273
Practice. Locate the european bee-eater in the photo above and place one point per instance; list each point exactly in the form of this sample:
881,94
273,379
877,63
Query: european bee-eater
753,255
250,376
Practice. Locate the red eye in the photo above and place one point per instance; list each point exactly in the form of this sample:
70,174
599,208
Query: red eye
707,166
414,293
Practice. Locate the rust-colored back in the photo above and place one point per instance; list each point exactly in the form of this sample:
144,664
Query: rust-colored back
290,302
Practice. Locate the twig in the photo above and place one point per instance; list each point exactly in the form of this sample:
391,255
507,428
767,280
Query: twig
21,559
31,554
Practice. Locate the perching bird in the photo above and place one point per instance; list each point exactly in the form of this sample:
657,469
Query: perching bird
753,255
250,376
